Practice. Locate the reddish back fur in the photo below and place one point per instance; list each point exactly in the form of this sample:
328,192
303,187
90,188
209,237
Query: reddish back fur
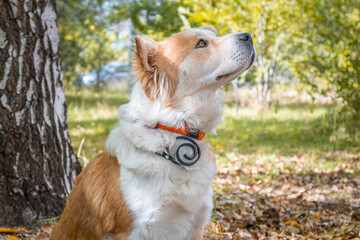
96,205
160,65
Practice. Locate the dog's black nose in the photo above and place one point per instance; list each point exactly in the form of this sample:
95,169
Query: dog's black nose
244,37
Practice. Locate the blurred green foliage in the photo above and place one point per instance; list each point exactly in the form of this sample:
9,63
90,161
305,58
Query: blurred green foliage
330,33
86,36
314,44
155,18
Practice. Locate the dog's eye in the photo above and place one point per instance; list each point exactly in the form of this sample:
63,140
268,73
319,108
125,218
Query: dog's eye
201,44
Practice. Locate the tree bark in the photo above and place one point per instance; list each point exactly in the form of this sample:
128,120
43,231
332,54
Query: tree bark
37,163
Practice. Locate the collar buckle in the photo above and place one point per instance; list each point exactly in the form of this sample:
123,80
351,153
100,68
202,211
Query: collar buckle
185,152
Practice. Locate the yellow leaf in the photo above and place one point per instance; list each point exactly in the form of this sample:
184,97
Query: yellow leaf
291,223
7,230
318,217
12,238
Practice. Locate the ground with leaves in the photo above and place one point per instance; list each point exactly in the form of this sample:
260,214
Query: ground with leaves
295,203
281,174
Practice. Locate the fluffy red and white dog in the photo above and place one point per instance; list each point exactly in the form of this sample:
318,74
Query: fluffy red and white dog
140,188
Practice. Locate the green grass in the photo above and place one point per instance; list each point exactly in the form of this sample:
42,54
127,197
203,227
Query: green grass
91,116
289,130
286,130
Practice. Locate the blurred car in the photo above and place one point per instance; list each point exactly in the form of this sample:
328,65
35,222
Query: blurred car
108,73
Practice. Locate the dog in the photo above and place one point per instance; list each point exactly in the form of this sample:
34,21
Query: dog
154,180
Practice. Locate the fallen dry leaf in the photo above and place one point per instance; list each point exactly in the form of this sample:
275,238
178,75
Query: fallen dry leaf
7,230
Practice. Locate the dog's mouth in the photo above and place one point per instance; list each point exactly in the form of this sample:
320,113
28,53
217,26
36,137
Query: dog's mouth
236,73
228,75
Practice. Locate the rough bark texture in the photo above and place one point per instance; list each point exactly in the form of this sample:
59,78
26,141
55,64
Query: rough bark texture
37,163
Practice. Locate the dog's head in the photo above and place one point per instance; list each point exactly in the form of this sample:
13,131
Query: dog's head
191,61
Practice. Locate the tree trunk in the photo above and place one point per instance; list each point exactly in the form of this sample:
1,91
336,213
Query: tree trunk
37,163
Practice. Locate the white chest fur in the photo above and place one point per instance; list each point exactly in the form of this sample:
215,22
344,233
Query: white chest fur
167,201
173,204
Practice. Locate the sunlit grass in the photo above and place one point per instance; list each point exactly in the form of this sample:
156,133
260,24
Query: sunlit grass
277,140
91,115
281,131
287,130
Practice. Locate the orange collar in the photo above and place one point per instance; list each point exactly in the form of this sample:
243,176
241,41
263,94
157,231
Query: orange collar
197,134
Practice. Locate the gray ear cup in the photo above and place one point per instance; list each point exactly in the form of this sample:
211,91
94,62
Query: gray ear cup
185,151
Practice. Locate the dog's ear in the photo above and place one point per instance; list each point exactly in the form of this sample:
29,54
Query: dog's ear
146,50
209,28
157,75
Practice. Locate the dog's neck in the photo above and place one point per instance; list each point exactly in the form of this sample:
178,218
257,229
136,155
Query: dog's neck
201,111
198,111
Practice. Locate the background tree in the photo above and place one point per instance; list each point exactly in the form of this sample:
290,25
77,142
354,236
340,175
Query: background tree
37,163
329,51
87,37
313,44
